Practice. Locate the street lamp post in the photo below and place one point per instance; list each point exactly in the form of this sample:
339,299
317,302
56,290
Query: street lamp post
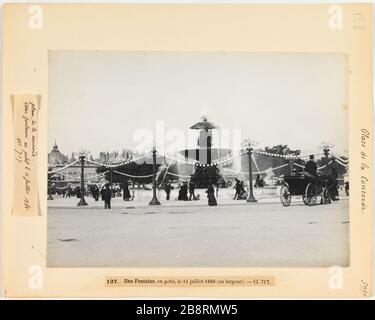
154,200
111,181
82,201
250,197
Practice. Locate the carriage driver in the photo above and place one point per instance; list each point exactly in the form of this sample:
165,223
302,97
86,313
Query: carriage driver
311,166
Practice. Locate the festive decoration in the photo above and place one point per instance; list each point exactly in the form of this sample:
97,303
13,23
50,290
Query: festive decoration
64,168
132,176
258,172
222,162
117,164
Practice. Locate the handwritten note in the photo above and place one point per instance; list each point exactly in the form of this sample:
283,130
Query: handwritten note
25,118
365,169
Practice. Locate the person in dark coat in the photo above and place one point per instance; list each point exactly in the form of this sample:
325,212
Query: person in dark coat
185,191
96,193
77,191
347,188
237,188
211,195
332,180
125,192
259,182
107,196
241,191
167,189
182,194
69,191
191,190
311,166
102,191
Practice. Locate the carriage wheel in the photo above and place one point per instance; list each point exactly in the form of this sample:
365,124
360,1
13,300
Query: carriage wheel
326,198
310,195
285,196
304,200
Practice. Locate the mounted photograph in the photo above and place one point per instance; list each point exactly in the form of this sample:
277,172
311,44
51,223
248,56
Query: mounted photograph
197,159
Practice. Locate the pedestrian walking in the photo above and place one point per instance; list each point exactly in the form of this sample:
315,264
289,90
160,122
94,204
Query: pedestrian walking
182,194
96,193
167,189
237,188
107,196
125,192
211,195
192,190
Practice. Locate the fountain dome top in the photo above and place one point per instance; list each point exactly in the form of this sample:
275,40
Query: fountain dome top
204,124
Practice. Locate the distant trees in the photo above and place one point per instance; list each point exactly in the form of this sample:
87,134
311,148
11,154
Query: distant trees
133,169
203,176
140,169
282,149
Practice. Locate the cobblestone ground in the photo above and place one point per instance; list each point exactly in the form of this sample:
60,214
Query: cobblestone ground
191,234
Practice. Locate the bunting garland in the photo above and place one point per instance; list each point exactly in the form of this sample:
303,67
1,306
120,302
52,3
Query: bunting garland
64,168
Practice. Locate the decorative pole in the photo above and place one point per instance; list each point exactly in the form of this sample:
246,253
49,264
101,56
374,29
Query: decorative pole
154,200
111,181
250,197
291,164
82,201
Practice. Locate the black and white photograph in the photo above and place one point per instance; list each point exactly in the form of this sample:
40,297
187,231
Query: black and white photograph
197,159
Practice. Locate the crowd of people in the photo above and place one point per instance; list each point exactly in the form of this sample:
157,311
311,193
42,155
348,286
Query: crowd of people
186,192
241,193
187,189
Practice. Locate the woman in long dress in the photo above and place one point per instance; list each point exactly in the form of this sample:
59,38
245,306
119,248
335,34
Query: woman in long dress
126,193
211,195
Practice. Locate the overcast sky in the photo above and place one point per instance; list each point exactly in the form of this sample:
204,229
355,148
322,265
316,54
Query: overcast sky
98,100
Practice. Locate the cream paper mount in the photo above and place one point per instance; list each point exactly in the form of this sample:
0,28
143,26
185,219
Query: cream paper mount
60,67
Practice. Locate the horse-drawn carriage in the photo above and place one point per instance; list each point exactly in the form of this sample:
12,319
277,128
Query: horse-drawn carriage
308,186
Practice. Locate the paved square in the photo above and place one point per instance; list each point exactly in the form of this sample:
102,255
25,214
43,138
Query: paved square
191,234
